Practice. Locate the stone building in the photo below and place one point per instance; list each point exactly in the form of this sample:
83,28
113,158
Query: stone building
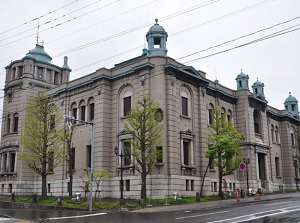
186,100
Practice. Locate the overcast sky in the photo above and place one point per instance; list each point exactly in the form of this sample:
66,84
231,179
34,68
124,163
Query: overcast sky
95,34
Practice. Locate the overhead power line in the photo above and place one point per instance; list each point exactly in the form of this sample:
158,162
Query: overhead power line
58,24
41,16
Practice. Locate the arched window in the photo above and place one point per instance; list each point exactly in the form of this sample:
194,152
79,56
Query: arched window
74,110
293,136
229,116
91,109
257,122
185,102
127,101
272,132
16,122
277,137
223,112
82,112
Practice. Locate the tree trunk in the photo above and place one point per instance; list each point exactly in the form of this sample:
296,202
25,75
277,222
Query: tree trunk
202,183
144,186
44,188
221,195
71,184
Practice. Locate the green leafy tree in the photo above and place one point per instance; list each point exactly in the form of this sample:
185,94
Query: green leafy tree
99,176
224,146
144,125
42,137
70,156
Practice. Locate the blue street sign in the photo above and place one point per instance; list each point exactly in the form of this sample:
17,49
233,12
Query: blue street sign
242,166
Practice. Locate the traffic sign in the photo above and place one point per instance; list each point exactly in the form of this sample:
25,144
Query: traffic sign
242,166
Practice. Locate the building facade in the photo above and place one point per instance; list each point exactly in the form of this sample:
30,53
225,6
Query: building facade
186,99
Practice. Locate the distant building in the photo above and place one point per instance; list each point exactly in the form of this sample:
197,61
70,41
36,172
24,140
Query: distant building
186,100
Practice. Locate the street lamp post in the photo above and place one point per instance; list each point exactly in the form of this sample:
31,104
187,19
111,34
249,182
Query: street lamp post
247,161
295,162
121,155
69,119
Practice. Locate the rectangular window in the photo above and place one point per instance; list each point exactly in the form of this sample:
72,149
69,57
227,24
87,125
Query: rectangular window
292,138
12,162
186,153
74,113
92,111
127,158
277,167
4,163
49,188
192,185
82,113
187,185
56,78
127,105
16,123
184,104
210,116
20,71
127,185
8,124
88,156
40,73
159,154
211,163
9,188
215,187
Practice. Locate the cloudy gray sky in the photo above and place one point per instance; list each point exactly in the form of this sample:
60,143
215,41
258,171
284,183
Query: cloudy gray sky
219,37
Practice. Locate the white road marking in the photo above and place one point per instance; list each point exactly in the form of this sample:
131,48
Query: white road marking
76,216
279,203
194,216
257,215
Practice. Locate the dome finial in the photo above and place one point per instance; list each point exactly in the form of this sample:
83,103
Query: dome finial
156,20
289,93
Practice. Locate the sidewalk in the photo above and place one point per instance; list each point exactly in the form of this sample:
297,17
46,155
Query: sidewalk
219,203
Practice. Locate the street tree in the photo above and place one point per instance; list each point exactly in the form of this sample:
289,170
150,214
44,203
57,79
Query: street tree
224,146
41,138
99,176
70,152
143,123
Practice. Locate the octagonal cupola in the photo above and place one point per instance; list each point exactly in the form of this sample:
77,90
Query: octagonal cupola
258,89
242,81
291,104
157,38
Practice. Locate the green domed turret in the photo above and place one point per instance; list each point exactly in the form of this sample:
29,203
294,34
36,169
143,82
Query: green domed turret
39,54
157,38
291,104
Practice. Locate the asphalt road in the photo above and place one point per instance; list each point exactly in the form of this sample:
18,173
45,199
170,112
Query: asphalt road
268,211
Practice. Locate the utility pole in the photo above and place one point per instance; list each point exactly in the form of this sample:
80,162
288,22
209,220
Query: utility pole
69,120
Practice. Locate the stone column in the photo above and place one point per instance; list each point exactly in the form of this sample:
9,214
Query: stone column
192,152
